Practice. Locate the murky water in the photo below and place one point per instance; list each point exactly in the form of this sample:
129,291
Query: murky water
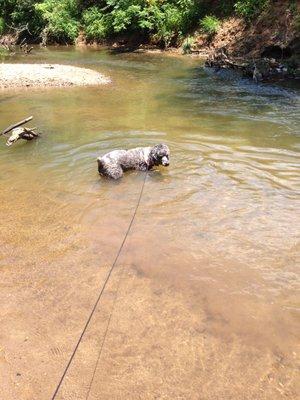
208,285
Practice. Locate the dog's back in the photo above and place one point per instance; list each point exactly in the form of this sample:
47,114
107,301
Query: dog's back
127,159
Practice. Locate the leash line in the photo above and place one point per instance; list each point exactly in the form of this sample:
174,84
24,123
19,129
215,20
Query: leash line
98,299
104,337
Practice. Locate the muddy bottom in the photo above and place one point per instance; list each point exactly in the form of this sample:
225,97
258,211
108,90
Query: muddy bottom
204,301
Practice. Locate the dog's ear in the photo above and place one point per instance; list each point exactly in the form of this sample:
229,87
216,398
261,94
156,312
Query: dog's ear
154,155
165,150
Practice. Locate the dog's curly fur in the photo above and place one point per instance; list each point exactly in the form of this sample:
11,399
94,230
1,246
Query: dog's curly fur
113,164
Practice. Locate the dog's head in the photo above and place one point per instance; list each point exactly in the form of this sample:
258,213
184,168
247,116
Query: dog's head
160,155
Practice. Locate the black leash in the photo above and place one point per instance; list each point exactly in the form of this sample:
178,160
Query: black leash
97,301
104,337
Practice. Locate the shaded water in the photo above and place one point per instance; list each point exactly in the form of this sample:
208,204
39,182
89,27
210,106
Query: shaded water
209,295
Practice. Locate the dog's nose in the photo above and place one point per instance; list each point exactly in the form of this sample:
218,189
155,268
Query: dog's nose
165,162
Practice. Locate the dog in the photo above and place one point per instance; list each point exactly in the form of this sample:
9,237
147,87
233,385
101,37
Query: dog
113,164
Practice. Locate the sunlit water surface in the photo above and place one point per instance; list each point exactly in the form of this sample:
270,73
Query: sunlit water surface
208,296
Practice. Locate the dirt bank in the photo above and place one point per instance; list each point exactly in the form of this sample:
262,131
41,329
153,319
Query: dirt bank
46,75
274,33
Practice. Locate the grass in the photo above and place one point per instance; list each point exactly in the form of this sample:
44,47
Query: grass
210,25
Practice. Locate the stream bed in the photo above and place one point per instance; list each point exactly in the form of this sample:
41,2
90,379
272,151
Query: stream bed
205,295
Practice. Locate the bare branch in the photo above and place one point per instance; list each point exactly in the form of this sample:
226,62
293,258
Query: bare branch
11,127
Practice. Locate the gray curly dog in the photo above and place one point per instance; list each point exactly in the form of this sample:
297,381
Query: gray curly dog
113,164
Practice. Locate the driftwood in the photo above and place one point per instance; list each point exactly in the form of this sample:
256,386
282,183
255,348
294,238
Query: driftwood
22,133
24,47
220,59
10,40
11,127
18,132
262,69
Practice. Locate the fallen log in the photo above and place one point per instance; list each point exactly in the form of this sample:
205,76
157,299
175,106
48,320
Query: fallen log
260,69
23,42
11,127
24,47
18,132
28,49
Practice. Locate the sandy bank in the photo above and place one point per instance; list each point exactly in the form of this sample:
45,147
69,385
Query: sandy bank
46,75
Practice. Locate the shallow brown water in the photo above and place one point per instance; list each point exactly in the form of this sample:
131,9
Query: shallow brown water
208,283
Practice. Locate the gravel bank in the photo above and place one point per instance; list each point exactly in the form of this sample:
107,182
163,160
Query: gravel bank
46,75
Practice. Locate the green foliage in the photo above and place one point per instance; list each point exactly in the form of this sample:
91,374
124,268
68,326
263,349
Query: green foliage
167,24
125,16
297,23
224,7
3,54
250,8
210,25
18,13
2,25
60,19
293,7
164,21
187,45
173,21
95,24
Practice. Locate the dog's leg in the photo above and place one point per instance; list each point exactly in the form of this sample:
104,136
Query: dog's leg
110,169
